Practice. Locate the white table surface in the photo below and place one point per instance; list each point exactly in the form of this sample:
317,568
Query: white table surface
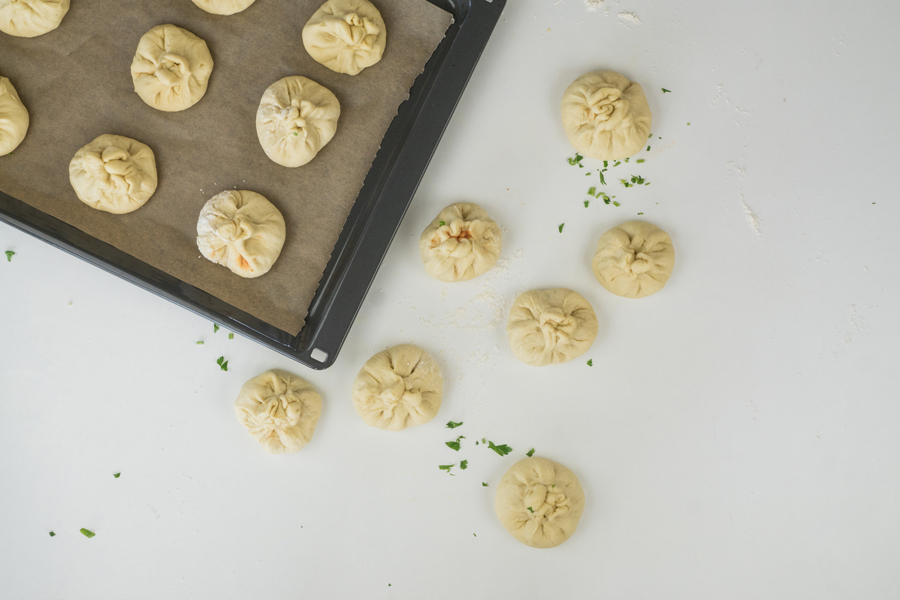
736,436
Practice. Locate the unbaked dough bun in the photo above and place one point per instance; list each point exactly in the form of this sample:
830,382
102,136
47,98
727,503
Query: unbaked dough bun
461,243
171,68
241,230
398,387
280,410
346,35
539,502
634,259
223,7
605,116
295,119
551,326
13,118
31,18
114,173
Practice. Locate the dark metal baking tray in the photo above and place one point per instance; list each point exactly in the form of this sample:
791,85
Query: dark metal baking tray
375,217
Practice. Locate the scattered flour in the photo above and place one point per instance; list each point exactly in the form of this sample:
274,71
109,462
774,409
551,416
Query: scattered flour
593,5
629,16
751,217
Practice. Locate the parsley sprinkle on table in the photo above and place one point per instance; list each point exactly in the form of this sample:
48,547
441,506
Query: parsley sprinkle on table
592,190
116,475
640,213
463,464
502,449
689,124
52,534
215,327
640,160
530,453
223,364
87,533
446,467
576,160
648,148
602,180
484,483
616,203
586,202
561,225
452,425
9,255
590,362
665,91
455,445
200,343
230,336
625,183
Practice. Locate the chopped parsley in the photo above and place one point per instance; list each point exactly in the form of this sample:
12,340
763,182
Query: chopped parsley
530,453
625,183
9,255
52,534
561,225
592,190
463,464
200,343
502,449
530,510
590,362
637,180
446,468
455,445
688,124
442,223
587,202
116,475
616,203
602,179
215,327
627,159
640,160
475,535
223,364
640,213
576,161
484,483
648,148
650,136
295,133
87,533
665,91
605,163
230,336
617,163
452,425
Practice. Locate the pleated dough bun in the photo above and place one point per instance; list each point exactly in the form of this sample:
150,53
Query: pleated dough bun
539,502
13,118
280,410
346,35
223,7
461,243
606,116
551,326
31,18
295,119
241,230
398,388
634,259
114,174
171,68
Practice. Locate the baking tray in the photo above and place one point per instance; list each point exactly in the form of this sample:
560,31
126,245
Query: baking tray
372,223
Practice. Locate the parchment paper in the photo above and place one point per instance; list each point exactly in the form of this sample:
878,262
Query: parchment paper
76,84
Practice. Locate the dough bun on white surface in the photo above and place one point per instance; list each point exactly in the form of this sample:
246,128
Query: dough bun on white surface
634,259
114,174
280,410
606,116
551,326
461,243
398,388
13,118
539,502
346,35
31,18
171,68
241,230
223,7
295,119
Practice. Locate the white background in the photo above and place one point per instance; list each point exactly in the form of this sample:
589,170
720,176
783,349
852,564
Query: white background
736,436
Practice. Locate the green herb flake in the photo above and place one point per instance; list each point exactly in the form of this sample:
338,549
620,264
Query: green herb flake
200,343
648,148
530,453
87,533
576,160
590,362
502,449
587,202
640,160
606,199
665,91
637,180
616,203
446,468
530,510
592,190
9,255
474,535
223,364
484,483
602,179
116,475
442,223
605,163
640,213
455,445
452,425
215,327
625,183
650,136
52,534
295,133
463,464
627,159
617,163
230,336
561,225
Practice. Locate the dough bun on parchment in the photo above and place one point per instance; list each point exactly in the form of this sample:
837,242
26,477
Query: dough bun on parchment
634,259
241,230
31,18
223,7
346,36
171,68
539,502
606,116
551,326
461,243
13,118
280,410
398,388
114,173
